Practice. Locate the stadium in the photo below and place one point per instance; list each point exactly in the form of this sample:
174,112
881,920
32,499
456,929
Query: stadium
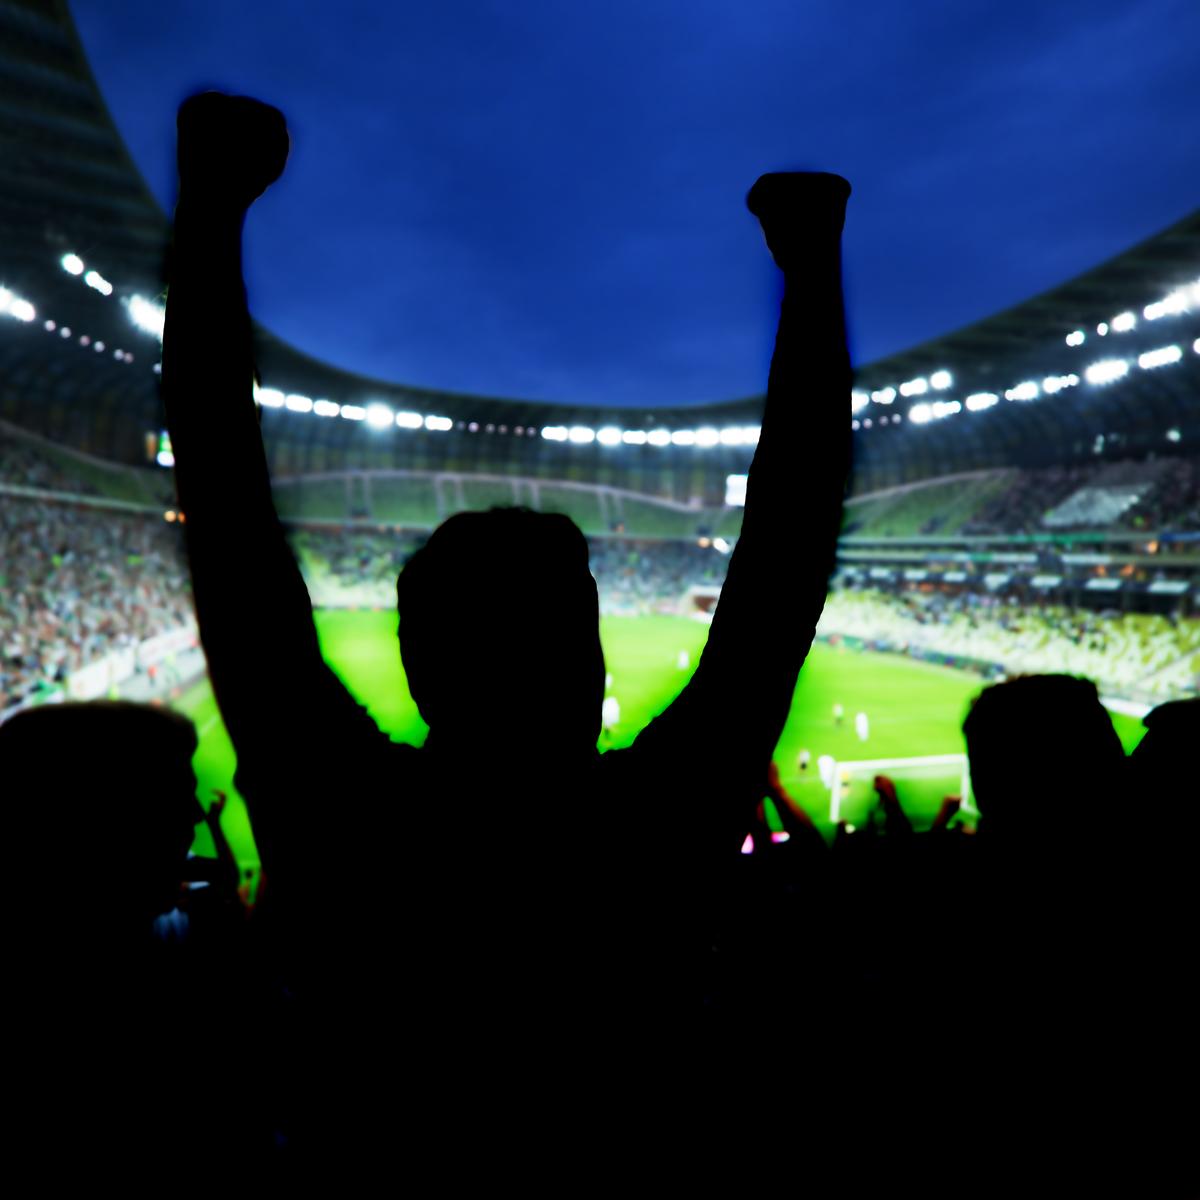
1025,495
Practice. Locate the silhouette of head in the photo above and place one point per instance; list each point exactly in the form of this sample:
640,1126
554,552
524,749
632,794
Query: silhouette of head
1039,747
101,805
499,633
1164,768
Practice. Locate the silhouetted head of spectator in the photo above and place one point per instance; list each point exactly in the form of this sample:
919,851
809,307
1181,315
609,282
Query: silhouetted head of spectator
1044,756
500,634
1165,768
101,808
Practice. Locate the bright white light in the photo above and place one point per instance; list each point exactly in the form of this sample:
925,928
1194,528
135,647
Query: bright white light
735,490
867,423
634,437
1056,383
1076,338
946,408
379,416
683,437
659,437
941,380
65,331
49,326
95,280
856,425
751,434
721,545
859,401
1159,358
981,400
270,397
914,387
6,299
1106,370
1124,322
409,420
581,435
72,264
884,395
732,436
439,424
165,458
1178,301
84,340
1023,391
145,315
1196,346
325,408
353,412
707,436
610,435
22,310
1102,329
99,347
555,433
1173,435
920,414
297,403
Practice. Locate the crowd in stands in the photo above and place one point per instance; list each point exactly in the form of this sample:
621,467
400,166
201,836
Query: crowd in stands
1127,654
24,464
78,583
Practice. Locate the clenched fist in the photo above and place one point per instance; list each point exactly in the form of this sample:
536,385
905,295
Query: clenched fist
799,211
231,148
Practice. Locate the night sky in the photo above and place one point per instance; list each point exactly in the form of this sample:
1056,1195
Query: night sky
545,200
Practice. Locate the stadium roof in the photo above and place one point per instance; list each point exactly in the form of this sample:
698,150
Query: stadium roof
69,187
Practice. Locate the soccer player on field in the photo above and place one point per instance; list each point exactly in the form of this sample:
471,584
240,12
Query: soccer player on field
610,716
839,714
805,757
862,726
683,661
575,903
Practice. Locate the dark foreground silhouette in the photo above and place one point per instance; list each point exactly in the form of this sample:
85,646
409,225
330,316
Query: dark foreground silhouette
499,632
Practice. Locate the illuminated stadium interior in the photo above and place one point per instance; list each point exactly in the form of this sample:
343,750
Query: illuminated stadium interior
1025,498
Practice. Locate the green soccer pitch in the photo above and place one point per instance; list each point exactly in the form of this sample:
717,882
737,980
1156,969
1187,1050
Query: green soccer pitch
914,709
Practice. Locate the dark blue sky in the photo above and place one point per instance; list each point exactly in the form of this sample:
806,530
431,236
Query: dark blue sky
545,199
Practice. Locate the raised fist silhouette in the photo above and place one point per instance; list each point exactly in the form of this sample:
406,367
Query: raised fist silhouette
800,212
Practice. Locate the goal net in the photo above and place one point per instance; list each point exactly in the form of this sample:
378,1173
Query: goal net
921,786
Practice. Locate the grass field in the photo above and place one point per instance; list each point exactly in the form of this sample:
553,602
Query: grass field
915,709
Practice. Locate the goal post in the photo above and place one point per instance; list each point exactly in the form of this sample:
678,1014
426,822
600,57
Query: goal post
921,785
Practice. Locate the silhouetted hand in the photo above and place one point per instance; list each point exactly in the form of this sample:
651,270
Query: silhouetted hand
801,213
231,148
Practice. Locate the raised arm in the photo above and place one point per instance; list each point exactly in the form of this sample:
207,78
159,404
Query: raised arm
253,609
738,700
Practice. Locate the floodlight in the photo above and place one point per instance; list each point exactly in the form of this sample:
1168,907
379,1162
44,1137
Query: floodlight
732,436
439,424
920,413
72,264
707,436
856,425
269,397
554,433
884,395
1124,322
1173,435
750,434
721,545
165,458
409,420
98,347
297,403
683,437
22,310
325,408
353,412
981,400
634,437
1102,329
659,437
379,416
1076,338
914,387
97,281
941,380
1106,370
581,435
1159,358
859,401
946,408
146,315
610,435
1023,391
49,326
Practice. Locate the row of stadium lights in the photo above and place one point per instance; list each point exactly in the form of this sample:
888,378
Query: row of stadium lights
149,317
